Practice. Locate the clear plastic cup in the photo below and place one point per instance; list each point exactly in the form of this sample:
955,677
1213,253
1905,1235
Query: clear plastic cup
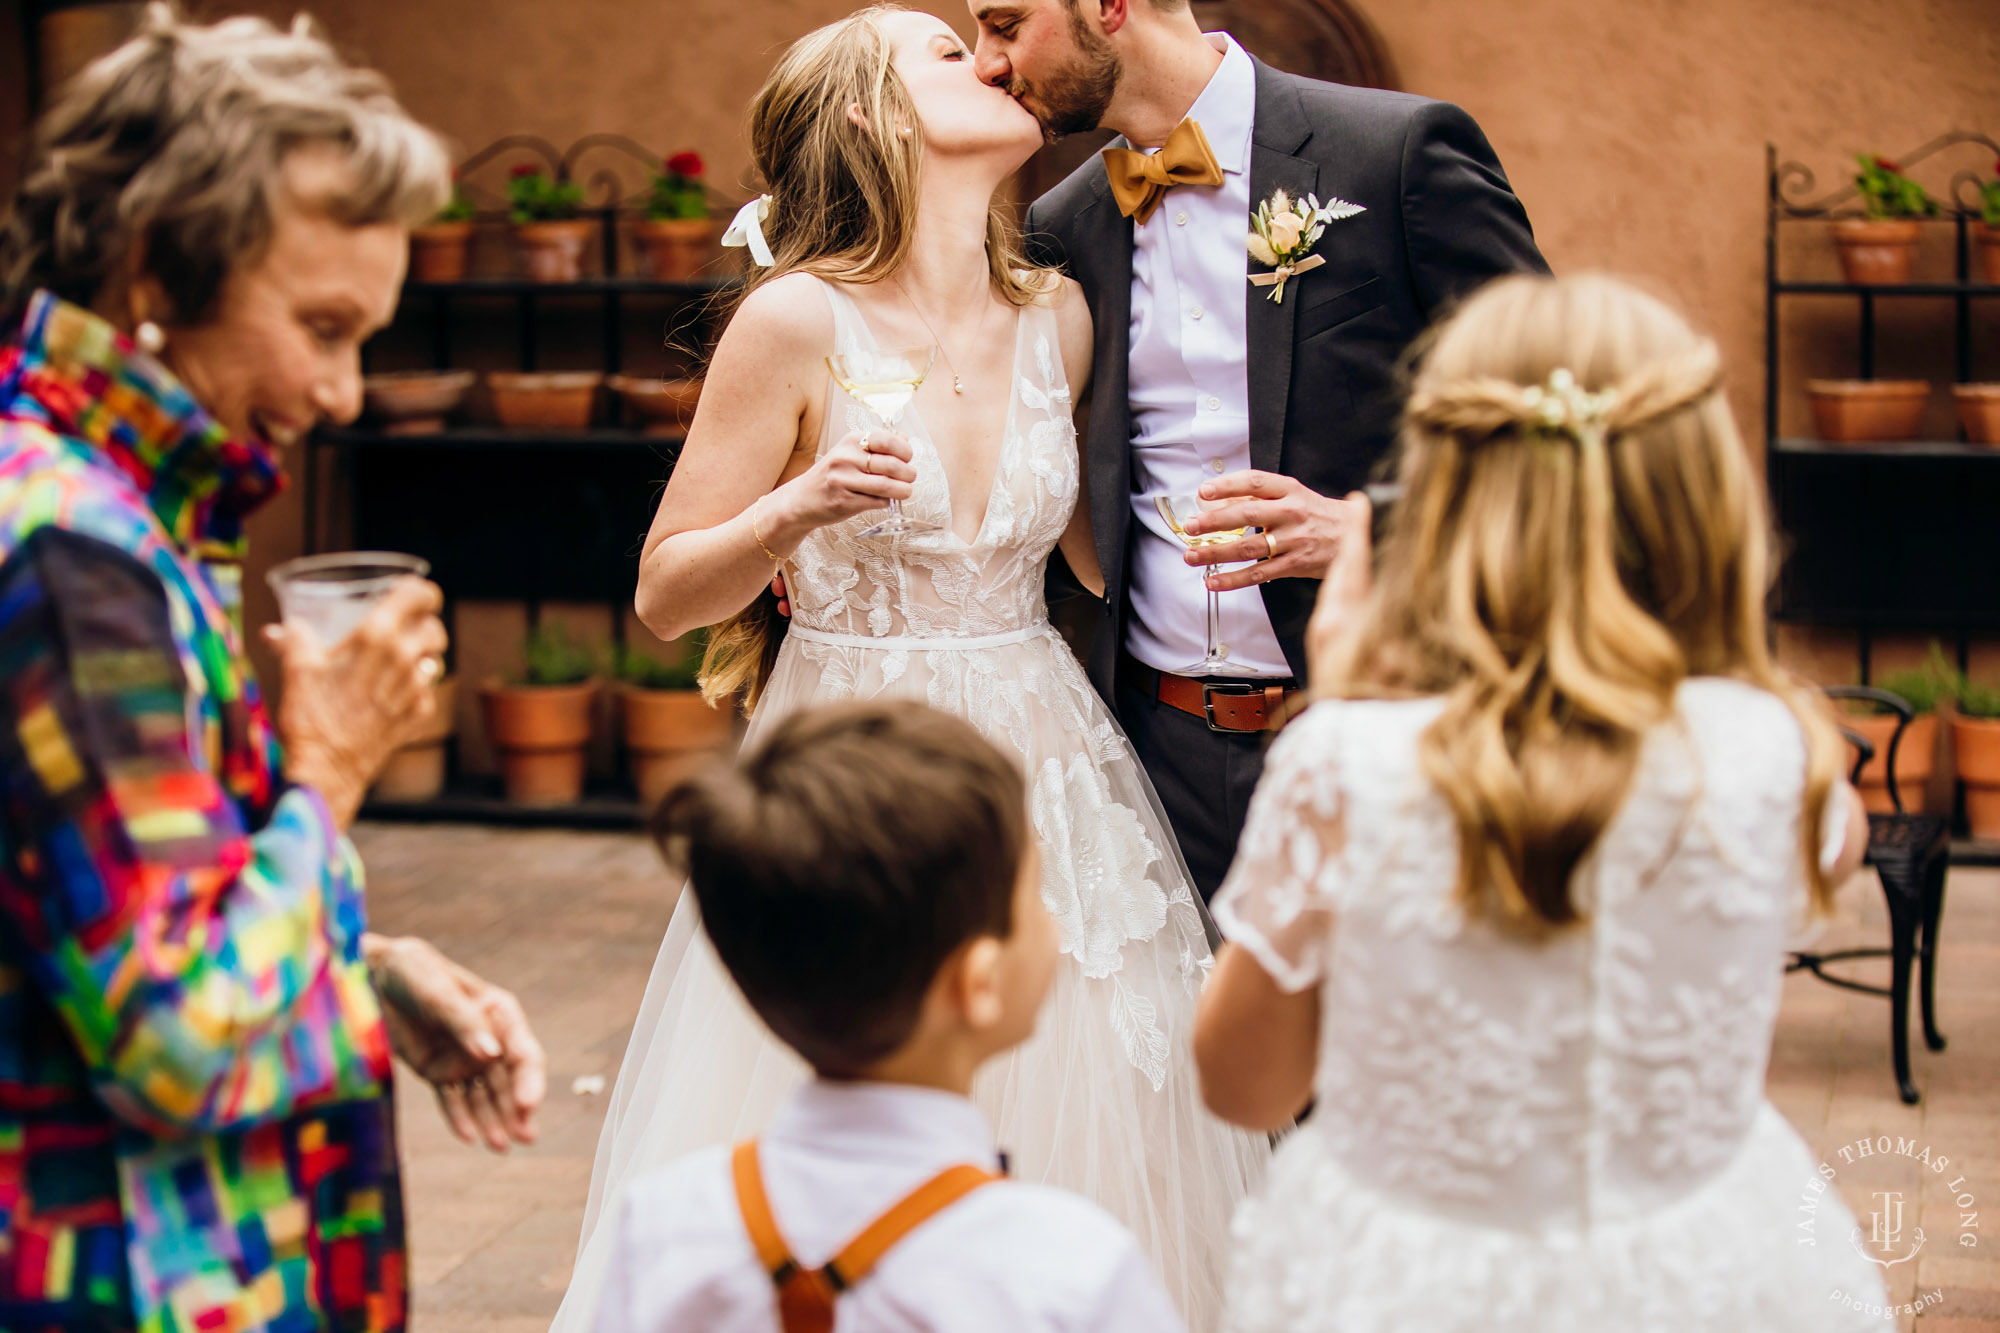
332,594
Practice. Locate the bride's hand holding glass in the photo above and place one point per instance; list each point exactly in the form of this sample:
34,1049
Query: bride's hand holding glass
860,474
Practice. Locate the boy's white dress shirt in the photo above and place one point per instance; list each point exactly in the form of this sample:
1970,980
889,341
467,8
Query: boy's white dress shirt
1008,1258
1190,384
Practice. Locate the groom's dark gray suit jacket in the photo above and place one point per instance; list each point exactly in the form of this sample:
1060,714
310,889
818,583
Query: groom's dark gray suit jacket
1441,219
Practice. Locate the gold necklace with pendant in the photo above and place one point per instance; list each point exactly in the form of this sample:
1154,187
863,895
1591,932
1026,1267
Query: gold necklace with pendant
957,384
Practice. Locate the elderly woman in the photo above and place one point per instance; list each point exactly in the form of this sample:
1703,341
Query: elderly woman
196,1127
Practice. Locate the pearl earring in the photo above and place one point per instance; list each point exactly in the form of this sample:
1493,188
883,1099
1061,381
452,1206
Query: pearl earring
152,339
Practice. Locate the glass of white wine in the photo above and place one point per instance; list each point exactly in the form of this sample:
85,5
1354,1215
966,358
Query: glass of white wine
884,382
1177,510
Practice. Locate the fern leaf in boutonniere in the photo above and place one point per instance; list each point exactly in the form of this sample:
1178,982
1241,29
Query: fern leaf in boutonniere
1283,232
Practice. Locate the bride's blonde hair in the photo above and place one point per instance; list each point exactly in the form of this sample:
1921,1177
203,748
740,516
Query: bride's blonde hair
844,206
1559,562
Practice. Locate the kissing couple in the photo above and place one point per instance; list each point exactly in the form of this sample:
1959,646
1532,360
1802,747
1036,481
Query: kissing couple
1230,289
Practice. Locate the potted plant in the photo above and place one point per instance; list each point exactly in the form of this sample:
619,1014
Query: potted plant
1863,411
1978,411
441,249
544,399
1987,230
541,725
1925,688
675,233
662,407
415,772
670,730
1882,247
547,229
1975,739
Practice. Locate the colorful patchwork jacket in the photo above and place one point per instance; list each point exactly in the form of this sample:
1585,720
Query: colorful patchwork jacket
195,1119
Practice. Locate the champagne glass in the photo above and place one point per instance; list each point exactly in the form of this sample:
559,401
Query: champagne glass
884,382
1177,510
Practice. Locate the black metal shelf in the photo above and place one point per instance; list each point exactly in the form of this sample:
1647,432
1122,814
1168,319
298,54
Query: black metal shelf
1891,450
1971,852
613,285
1884,536
1971,289
501,437
481,803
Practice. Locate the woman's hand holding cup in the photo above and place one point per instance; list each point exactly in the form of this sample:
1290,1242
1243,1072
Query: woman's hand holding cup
348,707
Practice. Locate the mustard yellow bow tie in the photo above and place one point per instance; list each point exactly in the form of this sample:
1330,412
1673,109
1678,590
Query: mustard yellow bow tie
1140,180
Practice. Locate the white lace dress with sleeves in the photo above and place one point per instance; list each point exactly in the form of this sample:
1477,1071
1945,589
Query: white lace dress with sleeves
1552,1136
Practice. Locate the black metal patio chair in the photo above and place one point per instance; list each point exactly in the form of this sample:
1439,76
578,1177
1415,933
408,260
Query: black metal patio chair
1910,854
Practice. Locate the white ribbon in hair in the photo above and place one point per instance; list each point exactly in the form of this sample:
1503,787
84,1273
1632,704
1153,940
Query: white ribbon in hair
747,229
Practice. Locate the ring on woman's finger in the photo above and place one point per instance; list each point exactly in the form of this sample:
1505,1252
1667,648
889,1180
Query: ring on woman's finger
1270,546
429,670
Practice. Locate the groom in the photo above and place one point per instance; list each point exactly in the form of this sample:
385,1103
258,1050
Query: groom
1206,379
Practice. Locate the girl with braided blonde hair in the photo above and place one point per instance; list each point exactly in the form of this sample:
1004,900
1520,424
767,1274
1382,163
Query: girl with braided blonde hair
1514,896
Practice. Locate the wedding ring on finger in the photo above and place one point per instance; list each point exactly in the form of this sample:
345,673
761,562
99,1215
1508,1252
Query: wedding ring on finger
429,669
1270,546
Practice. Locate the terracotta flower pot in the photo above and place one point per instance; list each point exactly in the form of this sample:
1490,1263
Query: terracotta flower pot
415,402
1861,411
670,734
664,407
440,252
1979,411
1877,251
542,733
1988,239
1976,742
553,400
415,772
553,251
1914,759
675,249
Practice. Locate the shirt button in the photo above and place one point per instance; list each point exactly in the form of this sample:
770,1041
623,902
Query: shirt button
1215,404
1217,465
1180,218
1195,313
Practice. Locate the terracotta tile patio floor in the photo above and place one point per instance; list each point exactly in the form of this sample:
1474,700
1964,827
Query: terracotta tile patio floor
571,921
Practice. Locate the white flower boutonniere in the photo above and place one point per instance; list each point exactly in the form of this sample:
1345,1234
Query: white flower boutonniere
1283,233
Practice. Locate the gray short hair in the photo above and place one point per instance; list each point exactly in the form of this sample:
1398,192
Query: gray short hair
177,139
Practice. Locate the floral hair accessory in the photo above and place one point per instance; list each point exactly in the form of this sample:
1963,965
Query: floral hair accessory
747,228
1562,406
1283,233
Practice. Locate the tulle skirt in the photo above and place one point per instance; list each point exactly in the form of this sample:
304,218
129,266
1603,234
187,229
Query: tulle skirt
1102,1099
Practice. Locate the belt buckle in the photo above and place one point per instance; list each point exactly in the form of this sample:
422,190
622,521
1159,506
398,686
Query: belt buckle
1235,689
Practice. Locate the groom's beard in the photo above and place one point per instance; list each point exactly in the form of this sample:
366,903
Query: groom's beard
1073,99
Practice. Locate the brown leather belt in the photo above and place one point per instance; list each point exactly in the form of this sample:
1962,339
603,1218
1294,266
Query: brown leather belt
1226,705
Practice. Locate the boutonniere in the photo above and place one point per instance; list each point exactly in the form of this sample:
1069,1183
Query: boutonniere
1283,233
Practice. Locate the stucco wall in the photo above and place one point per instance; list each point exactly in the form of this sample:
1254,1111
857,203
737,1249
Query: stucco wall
1635,132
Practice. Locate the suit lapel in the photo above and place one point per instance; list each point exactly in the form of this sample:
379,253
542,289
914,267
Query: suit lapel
1104,236
1269,327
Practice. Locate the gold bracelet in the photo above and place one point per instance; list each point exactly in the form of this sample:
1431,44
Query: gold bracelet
776,559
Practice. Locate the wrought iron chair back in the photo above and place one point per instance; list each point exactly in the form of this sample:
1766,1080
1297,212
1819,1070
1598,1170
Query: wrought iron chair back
1909,854
1905,715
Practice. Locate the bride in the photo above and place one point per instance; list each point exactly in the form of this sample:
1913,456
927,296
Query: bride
883,152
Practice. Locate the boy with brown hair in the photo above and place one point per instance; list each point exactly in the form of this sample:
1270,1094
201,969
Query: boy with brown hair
868,876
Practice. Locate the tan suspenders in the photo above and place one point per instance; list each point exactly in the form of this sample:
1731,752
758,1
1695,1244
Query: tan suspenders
806,1296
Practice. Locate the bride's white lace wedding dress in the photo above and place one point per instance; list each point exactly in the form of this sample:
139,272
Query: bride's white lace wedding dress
1570,1135
1103,1099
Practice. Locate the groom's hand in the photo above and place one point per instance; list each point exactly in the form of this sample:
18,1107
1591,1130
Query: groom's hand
1303,526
